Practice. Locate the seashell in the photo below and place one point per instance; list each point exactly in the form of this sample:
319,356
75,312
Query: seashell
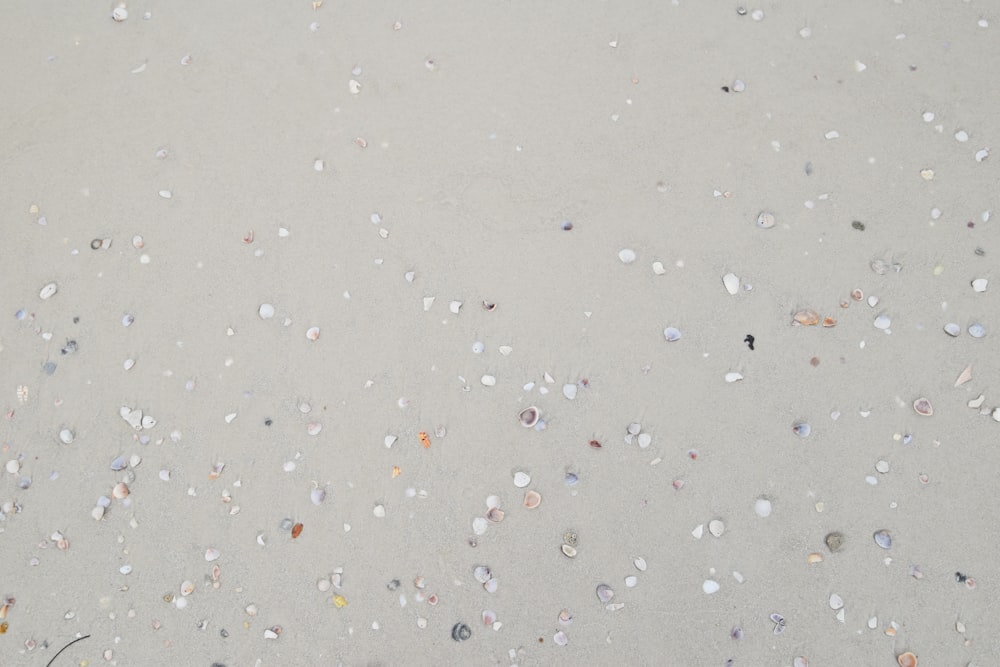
13,466
460,632
806,318
829,322
560,638
489,617
814,558
710,586
120,491
882,322
923,407
964,376
762,506
977,402
323,585
47,291
128,364
312,333
835,542
631,581
836,602
148,422
532,499
488,380
490,586
479,525
765,220
119,14
800,661
379,511
857,294
873,301
716,527
907,659
296,530
672,334
187,588
569,391
354,86
883,539
495,514
521,479
97,513
658,268
528,417
733,377
482,573
66,436
266,311
640,563
317,496
952,329
627,256
569,551
565,617
731,283
644,440
313,428
979,284
211,554
977,330
604,593
801,429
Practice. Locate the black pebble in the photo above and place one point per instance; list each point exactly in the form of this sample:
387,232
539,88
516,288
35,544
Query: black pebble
749,341
960,578
70,347
858,225
725,89
268,422
460,632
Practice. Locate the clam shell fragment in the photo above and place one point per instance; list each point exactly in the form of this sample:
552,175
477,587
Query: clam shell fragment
604,593
765,220
923,407
805,318
528,417
532,499
883,539
731,282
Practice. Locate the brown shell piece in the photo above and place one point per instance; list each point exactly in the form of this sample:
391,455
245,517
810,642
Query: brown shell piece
923,407
829,322
495,514
296,530
532,499
806,318
907,659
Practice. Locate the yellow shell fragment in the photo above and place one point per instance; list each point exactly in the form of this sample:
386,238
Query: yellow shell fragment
339,601
814,558
806,318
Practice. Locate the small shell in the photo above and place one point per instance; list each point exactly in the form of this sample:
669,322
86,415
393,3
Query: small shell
977,330
801,429
952,329
672,334
528,417
835,542
857,294
495,514
765,220
48,291
532,499
731,282
640,563
814,558
323,585
979,284
883,539
716,527
317,496
565,617
604,593
836,602
187,588
266,311
119,14
627,256
296,530
482,573
923,407
806,318
312,333
710,586
120,491
460,632
489,617
560,638
211,554
569,551
521,479
907,659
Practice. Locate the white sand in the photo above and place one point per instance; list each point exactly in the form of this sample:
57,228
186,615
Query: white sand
487,125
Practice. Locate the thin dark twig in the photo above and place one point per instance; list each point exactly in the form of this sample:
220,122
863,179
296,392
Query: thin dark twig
64,648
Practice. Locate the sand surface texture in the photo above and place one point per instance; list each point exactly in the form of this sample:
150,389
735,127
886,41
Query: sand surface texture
281,282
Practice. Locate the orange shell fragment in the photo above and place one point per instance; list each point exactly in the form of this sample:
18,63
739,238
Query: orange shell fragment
396,472
424,439
829,322
907,660
296,530
806,318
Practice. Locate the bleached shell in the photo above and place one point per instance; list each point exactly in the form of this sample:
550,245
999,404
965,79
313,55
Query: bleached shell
731,283
836,602
97,513
488,380
765,220
560,638
317,496
883,322
521,479
187,588
952,329
47,291
13,466
266,311
119,463
716,527
762,506
733,377
323,585
66,436
710,586
672,334
479,525
640,563
658,268
979,284
312,333
119,14
627,255
569,551
569,391
212,554
644,440
148,421
482,573
532,499
491,586
605,593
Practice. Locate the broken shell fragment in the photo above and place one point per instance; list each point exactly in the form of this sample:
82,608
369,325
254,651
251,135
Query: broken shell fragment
532,499
805,318
569,551
731,282
835,542
528,417
814,558
765,220
923,407
672,334
495,514
604,593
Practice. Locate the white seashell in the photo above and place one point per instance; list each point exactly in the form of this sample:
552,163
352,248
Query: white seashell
212,554
491,586
13,466
148,421
882,322
455,306
165,475
716,527
488,380
134,418
952,329
97,513
672,334
478,347
289,466
977,402
137,242
836,602
128,364
48,291
634,428
644,440
569,391
873,301
605,593
762,507
710,586
390,440
631,581
317,496
166,194
319,165
187,588
733,377
731,282
266,311
312,333
977,330
996,414
698,531
313,428
640,563
560,638
379,511
979,284
125,569
521,479
354,86
627,256
765,220
873,622
479,525
67,436
428,302
505,350
119,14
658,268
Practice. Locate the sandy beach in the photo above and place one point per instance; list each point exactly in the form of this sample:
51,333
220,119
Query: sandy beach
645,333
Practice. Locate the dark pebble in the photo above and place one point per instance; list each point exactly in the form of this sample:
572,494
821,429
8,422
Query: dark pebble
393,585
460,632
268,422
70,347
567,225
49,367
858,225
